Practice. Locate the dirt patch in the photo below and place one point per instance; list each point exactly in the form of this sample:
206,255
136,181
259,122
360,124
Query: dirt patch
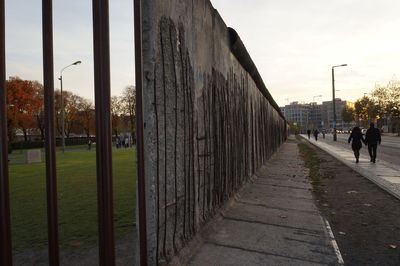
365,219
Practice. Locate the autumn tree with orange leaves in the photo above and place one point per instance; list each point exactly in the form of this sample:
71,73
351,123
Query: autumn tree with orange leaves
25,111
23,101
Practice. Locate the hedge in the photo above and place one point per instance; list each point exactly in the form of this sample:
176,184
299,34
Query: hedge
24,145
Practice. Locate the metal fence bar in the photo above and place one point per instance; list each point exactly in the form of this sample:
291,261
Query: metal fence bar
5,223
101,42
51,175
140,132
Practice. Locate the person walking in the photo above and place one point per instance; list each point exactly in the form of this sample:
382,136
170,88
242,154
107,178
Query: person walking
89,144
356,138
372,138
308,133
117,142
316,132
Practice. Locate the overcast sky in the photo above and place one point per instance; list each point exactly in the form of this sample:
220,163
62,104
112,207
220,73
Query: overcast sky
293,43
73,40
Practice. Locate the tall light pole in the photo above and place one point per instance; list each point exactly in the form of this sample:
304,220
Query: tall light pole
333,100
62,105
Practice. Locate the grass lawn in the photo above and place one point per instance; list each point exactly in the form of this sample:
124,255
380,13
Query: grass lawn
58,148
77,194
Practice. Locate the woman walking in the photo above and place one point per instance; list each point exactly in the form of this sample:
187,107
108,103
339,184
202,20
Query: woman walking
357,137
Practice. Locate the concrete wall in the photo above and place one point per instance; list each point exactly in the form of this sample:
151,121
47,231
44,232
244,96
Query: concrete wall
210,123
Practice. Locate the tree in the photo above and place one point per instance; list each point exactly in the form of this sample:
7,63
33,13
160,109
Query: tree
23,101
296,129
116,111
387,101
393,102
39,114
86,117
365,110
72,110
128,101
348,114
74,105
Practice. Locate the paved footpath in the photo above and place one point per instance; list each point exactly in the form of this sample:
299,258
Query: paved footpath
383,174
273,221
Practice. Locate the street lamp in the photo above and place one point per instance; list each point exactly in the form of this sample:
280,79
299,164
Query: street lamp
62,105
333,100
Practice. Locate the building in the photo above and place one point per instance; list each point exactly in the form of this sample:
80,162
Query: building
327,114
298,113
313,115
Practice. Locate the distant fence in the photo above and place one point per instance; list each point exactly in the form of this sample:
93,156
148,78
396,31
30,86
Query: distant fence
209,121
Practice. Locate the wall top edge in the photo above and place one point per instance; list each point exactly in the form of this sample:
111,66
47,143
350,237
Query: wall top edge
242,55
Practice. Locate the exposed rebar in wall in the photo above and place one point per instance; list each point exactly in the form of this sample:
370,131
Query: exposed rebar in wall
158,206
172,33
162,30
184,82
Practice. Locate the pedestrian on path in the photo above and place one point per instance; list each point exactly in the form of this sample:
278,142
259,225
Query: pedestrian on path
89,145
372,138
308,133
316,132
356,138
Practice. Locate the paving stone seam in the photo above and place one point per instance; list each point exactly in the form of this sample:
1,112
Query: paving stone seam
277,208
315,232
261,252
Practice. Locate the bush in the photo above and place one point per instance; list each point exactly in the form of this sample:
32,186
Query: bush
73,142
24,145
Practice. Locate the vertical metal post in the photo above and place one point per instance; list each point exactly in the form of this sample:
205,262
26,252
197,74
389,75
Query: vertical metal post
5,223
334,105
140,132
62,115
51,176
101,42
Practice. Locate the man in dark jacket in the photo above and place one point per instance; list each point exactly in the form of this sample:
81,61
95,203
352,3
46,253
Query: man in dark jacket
372,138
308,133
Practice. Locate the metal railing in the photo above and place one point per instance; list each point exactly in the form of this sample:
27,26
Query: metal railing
101,42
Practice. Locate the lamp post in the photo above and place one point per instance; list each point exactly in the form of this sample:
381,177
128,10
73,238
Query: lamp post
333,100
62,105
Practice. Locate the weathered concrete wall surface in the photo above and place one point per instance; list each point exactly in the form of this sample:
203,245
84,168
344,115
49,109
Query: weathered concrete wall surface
210,123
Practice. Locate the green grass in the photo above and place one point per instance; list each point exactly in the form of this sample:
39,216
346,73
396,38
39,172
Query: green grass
17,156
77,199
313,163
58,148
